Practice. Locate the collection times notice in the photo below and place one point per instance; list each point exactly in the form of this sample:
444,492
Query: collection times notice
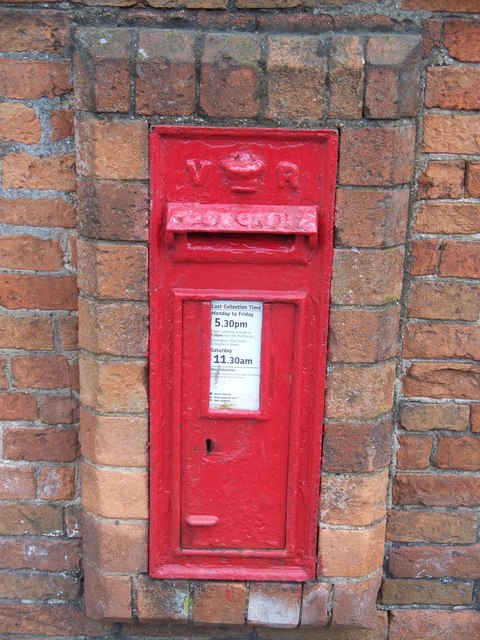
235,351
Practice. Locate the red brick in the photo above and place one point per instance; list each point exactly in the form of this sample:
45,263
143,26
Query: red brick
383,284
460,6
472,185
303,58
4,384
354,604
43,31
103,439
383,214
68,329
56,483
432,526
316,604
363,335
475,418
460,259
49,619
114,546
420,416
393,76
346,77
41,372
113,271
441,340
19,123
442,180
58,409
102,70
37,213
17,519
107,597
407,624
427,592
29,79
451,133
230,76
353,500
40,554
274,604
443,301
219,602
377,156
435,561
113,149
17,483
414,452
26,333
351,553
73,516
162,600
291,22
462,453
360,392
432,35
424,257
48,444
445,490
30,252
356,448
166,73
443,380
105,492
18,406
38,587
446,217
453,88
61,124
23,171
113,386
462,39
112,210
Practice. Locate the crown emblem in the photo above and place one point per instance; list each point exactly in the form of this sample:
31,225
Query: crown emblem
243,171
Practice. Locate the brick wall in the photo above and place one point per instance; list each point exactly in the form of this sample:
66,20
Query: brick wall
357,68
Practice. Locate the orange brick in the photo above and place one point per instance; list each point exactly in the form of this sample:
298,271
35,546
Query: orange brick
435,561
353,500
58,409
458,452
447,217
444,301
113,493
46,444
19,519
414,452
445,490
441,340
476,418
18,406
351,553
38,587
163,601
23,171
462,39
219,602
40,372
115,150
38,213
30,252
61,124
432,526
17,483
40,554
360,392
472,185
29,79
19,123
57,483
453,88
68,329
114,546
355,604
424,257
442,5
107,597
427,592
443,380
346,77
26,333
460,259
420,416
442,180
423,623
113,271
316,604
451,133
45,31
384,284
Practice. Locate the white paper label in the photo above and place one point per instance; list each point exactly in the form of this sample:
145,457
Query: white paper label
235,350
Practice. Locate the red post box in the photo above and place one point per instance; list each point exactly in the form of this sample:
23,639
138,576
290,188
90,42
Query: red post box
241,251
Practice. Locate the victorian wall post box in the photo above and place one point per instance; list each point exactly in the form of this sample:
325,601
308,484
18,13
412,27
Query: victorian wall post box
241,251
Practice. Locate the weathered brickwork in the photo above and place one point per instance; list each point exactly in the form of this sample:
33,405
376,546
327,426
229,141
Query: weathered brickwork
399,506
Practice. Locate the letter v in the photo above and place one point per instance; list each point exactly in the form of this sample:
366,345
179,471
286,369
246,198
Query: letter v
198,171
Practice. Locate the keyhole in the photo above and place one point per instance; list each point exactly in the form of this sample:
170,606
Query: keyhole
209,445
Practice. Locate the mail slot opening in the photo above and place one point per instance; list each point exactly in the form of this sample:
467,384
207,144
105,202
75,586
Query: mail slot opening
239,242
